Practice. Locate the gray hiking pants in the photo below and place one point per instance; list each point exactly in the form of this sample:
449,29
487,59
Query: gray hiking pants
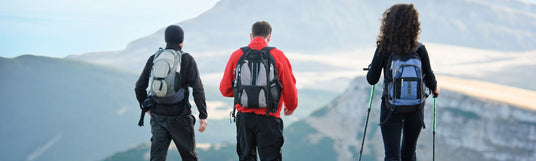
180,129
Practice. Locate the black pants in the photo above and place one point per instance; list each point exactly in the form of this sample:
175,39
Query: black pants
261,132
180,129
407,124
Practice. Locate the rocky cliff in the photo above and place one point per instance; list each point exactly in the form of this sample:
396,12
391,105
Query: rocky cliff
468,128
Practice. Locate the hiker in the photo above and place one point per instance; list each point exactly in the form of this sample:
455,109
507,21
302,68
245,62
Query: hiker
171,117
399,52
259,91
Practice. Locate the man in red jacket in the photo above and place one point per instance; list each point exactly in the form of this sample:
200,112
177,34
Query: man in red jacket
255,129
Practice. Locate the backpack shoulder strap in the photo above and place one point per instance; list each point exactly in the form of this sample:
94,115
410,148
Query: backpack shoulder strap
267,49
271,59
245,49
418,46
157,53
416,52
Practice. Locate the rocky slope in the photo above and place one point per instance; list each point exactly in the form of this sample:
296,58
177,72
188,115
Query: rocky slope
468,127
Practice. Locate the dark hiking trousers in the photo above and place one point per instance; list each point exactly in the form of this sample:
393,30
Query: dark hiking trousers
180,129
409,125
258,132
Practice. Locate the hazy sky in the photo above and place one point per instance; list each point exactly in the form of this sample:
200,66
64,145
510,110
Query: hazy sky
63,27
59,28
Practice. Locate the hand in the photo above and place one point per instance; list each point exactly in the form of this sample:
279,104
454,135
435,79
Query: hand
436,92
149,112
288,112
202,125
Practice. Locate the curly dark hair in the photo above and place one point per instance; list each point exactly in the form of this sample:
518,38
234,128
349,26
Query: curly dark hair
400,28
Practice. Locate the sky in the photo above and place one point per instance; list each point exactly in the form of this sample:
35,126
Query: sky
58,28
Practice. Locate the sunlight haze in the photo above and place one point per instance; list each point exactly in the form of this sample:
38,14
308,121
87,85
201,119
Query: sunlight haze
58,28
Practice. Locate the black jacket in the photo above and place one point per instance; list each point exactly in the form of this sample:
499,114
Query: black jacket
189,77
380,61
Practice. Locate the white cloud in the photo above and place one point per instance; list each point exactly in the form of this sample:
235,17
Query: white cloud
121,110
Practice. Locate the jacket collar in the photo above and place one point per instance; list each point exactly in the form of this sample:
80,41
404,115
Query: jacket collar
173,46
258,43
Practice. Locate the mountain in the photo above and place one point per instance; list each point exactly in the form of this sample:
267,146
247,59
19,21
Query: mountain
57,109
325,27
468,128
61,109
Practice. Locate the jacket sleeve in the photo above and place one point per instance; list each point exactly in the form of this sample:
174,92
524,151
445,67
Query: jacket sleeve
289,92
143,81
226,84
375,68
194,80
429,77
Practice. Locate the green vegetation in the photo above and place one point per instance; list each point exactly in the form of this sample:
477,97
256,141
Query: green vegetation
299,146
225,152
135,154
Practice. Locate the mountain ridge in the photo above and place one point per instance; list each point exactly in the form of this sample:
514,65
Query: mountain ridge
52,106
340,26
468,128
75,107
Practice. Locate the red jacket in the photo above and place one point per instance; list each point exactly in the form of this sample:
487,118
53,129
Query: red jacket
289,93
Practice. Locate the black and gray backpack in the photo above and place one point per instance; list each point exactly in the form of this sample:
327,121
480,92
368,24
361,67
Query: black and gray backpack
164,82
256,83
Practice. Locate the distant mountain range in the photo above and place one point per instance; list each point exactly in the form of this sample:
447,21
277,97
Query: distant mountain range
468,128
57,109
325,27
60,109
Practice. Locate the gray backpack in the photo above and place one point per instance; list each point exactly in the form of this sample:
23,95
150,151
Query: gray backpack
164,83
256,84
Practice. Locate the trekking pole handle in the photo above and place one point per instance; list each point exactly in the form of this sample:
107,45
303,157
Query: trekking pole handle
367,68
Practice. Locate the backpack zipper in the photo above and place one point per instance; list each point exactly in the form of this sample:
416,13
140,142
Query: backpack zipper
254,73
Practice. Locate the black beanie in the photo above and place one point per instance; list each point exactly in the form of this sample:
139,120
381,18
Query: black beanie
174,35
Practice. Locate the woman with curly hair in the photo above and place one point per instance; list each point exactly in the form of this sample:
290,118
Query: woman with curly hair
399,31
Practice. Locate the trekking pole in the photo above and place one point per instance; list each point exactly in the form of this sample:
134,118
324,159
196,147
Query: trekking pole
366,123
433,151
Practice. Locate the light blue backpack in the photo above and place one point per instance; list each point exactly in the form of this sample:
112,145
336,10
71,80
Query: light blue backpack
406,90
